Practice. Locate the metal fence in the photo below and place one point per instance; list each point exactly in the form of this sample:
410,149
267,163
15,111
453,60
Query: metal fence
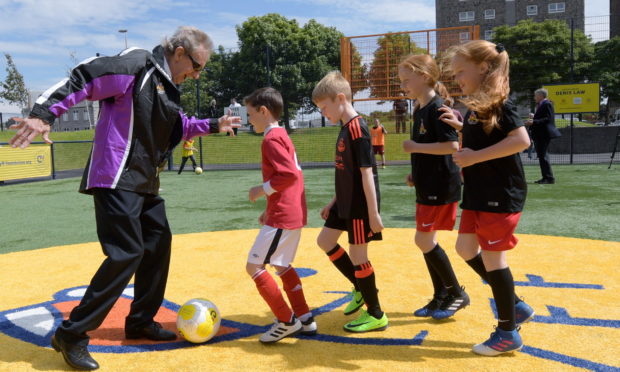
370,64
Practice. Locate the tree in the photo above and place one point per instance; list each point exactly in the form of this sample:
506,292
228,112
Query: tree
540,54
298,57
383,71
13,88
605,70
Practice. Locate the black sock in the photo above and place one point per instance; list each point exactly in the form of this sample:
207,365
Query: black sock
342,261
439,289
503,288
478,266
365,276
441,263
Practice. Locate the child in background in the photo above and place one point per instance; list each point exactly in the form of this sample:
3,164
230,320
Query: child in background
187,153
377,133
285,215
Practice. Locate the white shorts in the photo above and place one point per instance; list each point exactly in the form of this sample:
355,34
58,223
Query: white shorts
274,246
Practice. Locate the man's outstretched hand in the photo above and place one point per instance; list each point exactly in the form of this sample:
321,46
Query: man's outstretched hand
228,122
27,130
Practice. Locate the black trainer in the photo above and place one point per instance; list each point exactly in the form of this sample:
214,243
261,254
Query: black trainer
429,308
451,304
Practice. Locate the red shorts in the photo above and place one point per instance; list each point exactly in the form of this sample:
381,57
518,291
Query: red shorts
495,231
435,217
378,149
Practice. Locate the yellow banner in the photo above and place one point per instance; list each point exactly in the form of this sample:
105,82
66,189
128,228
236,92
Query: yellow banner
575,98
33,161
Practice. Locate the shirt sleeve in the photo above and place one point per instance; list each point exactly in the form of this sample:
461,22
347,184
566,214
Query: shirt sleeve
363,149
443,131
510,118
285,167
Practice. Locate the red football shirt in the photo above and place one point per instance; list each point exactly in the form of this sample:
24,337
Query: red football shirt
284,181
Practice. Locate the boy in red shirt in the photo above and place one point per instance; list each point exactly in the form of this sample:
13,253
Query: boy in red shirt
285,215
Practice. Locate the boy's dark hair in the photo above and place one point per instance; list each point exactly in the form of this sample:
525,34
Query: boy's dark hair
268,97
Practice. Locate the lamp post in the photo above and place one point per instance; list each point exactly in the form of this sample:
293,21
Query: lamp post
124,31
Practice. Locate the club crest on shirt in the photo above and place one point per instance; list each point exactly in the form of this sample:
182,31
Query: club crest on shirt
160,88
422,127
341,147
473,118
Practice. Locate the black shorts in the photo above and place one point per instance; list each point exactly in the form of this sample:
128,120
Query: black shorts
358,228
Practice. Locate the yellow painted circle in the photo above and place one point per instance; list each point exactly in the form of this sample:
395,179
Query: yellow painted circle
543,267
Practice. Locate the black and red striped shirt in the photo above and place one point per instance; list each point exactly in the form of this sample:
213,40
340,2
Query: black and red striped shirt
354,151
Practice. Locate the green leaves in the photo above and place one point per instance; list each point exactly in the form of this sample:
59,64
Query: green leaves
13,90
540,54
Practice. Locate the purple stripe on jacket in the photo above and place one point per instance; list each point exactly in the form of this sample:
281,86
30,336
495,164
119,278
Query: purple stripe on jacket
98,89
193,127
112,133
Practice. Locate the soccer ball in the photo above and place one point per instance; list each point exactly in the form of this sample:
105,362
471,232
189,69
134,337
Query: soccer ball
198,170
198,320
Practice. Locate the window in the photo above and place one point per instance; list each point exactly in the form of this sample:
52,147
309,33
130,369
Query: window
65,117
463,36
532,10
489,14
76,115
466,16
557,8
488,35
85,114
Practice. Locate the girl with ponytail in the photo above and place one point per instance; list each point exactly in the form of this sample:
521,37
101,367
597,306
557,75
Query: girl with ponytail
494,183
436,179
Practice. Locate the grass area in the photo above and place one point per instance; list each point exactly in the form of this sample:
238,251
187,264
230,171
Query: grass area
312,144
585,203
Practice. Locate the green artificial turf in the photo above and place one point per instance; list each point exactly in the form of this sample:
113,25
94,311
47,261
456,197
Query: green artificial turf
584,203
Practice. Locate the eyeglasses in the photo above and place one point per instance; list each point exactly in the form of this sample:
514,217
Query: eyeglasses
197,66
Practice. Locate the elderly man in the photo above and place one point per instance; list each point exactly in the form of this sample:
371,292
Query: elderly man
139,125
542,127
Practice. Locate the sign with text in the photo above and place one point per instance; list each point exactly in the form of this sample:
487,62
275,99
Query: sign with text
575,98
33,161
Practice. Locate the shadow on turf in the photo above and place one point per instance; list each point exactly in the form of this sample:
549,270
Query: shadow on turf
348,356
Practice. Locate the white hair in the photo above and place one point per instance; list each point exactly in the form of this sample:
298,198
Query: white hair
189,38
543,92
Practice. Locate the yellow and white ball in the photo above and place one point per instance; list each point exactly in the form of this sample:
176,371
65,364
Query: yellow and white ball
198,170
198,320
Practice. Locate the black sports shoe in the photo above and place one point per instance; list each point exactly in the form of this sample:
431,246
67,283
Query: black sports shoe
451,304
429,308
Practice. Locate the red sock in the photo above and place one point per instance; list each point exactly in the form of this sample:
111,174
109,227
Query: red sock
268,288
294,291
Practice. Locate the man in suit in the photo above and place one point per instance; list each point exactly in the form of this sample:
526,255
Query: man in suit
542,126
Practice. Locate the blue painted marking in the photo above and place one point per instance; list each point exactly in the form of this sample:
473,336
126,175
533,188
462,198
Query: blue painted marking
565,359
559,315
305,272
417,340
538,281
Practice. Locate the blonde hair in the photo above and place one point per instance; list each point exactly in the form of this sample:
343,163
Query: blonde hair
424,64
494,90
330,86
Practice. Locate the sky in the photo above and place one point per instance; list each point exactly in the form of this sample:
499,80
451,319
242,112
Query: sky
47,37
